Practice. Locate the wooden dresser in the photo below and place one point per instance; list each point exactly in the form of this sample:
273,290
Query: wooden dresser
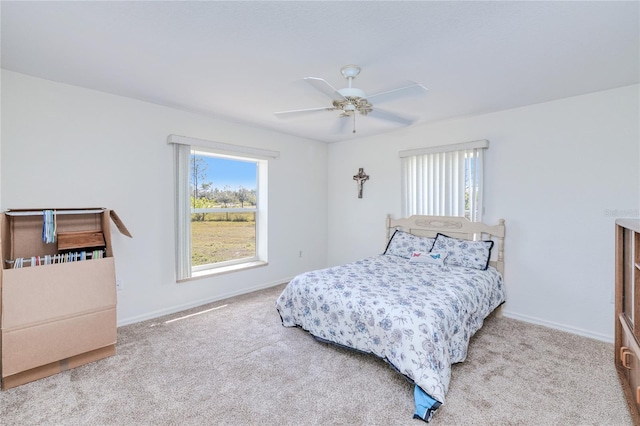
627,311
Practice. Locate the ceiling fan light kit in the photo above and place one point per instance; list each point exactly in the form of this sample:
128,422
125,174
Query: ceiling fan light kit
350,100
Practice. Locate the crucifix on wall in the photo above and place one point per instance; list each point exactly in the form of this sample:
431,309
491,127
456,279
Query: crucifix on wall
361,177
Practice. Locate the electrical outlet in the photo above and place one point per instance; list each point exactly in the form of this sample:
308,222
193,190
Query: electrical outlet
119,284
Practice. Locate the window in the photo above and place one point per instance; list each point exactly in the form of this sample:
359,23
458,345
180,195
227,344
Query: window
224,200
444,180
221,206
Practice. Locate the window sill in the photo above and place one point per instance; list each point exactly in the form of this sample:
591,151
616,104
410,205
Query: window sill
224,270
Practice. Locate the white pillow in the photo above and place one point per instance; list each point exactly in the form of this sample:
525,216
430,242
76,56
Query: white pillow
468,254
432,257
403,244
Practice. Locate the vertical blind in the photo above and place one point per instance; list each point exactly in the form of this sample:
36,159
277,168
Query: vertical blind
444,181
183,211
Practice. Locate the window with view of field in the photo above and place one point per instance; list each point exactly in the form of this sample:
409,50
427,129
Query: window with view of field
221,215
223,201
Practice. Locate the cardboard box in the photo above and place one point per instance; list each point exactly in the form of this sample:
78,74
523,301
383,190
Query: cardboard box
57,367
58,316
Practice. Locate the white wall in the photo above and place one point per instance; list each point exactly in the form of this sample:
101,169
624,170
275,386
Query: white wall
65,146
558,173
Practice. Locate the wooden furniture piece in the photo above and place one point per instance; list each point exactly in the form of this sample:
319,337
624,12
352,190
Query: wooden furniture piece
56,312
627,311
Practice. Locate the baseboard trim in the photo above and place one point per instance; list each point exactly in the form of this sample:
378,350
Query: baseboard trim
505,313
558,326
196,303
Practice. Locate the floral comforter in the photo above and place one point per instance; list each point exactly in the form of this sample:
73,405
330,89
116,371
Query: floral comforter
418,317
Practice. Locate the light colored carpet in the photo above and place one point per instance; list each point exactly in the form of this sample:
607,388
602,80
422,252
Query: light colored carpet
232,363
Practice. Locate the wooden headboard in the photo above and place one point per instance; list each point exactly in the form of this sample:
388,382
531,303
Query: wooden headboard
455,227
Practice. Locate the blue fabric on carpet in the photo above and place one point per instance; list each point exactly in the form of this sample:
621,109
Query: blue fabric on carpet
425,405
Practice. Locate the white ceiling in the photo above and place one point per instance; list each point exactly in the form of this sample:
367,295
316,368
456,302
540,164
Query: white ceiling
242,61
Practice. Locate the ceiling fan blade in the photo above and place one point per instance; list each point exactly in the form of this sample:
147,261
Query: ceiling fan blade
324,87
386,115
301,112
389,95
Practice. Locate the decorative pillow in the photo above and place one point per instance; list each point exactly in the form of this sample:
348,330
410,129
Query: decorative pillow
403,244
469,254
432,257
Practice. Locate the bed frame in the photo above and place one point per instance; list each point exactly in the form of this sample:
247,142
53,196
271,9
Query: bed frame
455,227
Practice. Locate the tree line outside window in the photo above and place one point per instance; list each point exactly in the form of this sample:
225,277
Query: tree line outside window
205,196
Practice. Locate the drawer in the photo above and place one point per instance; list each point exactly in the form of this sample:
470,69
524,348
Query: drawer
629,364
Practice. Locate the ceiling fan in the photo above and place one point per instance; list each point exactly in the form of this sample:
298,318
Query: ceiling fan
351,100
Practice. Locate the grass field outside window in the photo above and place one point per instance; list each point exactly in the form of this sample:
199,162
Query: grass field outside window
221,237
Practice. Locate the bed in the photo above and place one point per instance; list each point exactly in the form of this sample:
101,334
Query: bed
416,305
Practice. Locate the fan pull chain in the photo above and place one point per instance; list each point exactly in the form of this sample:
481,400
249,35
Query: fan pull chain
354,122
